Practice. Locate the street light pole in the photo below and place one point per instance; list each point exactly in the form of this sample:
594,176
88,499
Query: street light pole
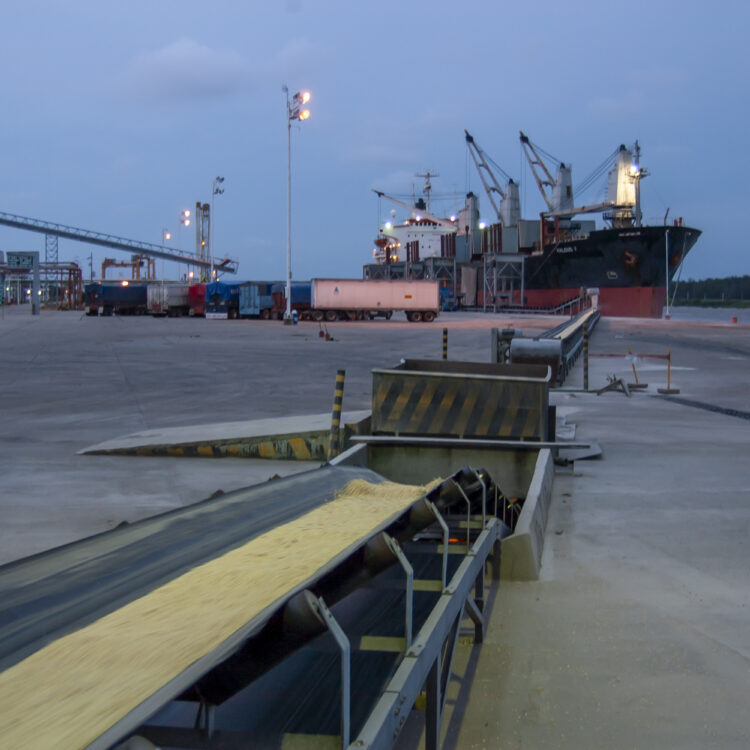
294,111
215,190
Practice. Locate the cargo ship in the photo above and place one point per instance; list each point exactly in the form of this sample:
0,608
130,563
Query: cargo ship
551,263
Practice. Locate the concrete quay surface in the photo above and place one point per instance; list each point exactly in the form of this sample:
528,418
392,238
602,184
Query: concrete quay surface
637,635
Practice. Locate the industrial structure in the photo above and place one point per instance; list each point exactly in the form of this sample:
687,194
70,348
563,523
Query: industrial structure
61,283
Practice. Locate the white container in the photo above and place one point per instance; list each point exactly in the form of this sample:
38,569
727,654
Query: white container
167,299
375,295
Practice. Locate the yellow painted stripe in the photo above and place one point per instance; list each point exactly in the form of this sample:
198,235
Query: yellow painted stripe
453,549
400,403
310,742
425,584
466,410
176,451
489,412
266,450
301,451
531,427
205,450
509,417
382,393
233,450
382,643
442,410
422,405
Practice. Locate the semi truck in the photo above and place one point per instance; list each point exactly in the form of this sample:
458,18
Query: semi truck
358,299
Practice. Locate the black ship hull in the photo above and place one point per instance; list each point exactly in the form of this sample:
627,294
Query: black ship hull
628,266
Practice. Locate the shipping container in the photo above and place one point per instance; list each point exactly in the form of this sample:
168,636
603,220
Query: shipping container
256,299
168,299
197,299
122,298
356,299
223,299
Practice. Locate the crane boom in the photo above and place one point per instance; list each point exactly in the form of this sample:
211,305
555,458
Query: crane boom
528,146
485,172
424,214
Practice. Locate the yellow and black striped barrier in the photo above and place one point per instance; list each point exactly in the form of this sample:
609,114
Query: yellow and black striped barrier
338,399
310,447
460,404
445,343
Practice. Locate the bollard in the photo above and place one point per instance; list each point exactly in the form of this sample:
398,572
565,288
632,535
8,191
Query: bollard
585,356
669,390
338,398
445,343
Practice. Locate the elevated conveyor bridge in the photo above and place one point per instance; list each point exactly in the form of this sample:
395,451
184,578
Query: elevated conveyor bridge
49,229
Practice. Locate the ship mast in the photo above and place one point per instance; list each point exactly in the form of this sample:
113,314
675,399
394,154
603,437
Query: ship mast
638,175
427,186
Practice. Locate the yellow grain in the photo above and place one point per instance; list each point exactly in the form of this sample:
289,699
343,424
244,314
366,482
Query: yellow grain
70,692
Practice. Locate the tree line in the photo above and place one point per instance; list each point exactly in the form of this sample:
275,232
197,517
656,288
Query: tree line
727,290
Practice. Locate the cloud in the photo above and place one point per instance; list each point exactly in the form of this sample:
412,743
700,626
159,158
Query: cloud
185,70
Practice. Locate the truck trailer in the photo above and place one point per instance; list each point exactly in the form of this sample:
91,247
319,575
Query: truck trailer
357,299
168,299
256,299
223,299
120,298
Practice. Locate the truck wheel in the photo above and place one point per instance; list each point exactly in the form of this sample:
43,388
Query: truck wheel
428,316
265,314
331,315
416,316
318,315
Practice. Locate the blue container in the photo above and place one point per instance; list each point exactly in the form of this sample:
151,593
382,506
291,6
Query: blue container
223,299
301,292
256,299
126,299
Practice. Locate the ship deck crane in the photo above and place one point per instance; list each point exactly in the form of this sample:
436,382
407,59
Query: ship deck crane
423,215
536,163
486,175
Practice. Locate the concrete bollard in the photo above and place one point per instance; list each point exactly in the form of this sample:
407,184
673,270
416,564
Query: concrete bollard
338,399
445,343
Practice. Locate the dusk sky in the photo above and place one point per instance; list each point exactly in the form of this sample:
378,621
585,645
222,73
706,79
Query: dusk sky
118,115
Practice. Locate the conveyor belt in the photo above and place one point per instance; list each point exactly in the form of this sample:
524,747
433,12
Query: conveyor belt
53,593
104,632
